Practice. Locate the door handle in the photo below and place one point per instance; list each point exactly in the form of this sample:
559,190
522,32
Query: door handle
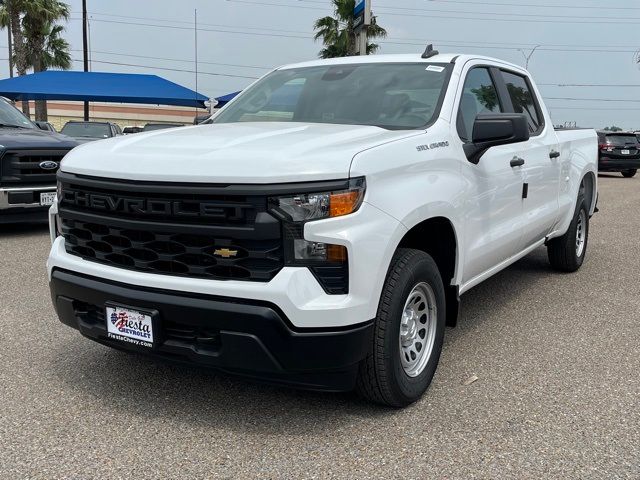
553,154
517,162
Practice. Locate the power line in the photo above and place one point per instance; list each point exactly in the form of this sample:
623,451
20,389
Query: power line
174,27
598,21
613,109
608,85
494,47
179,60
153,67
199,23
546,47
599,8
592,99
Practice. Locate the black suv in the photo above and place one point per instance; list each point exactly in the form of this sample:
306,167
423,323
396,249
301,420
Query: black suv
618,152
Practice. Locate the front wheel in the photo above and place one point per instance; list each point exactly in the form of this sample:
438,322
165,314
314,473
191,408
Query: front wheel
566,253
408,332
629,173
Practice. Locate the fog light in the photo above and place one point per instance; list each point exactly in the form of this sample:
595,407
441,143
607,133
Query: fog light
318,251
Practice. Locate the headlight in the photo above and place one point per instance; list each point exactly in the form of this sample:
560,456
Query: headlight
316,206
328,262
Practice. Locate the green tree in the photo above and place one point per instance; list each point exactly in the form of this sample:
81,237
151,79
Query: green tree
11,13
45,47
613,128
37,40
338,35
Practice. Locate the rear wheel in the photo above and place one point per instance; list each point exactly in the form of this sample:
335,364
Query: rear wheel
629,173
408,332
566,253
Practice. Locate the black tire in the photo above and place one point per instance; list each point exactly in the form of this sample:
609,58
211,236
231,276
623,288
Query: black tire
382,378
562,251
629,173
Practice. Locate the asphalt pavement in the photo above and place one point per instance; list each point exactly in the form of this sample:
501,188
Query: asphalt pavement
557,395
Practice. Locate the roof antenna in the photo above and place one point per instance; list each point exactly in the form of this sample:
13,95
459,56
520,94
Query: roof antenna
429,52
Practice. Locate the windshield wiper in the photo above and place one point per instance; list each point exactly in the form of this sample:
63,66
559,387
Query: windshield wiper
10,125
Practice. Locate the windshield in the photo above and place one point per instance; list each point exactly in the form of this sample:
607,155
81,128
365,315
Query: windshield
87,130
12,117
394,96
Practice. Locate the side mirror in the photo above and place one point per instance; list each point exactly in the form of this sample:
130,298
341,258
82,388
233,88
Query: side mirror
491,130
43,126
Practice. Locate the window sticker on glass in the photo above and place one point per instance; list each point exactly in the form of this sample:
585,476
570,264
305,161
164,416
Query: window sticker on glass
434,68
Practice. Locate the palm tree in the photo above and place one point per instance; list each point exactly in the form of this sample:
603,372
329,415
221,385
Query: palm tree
45,48
338,35
11,12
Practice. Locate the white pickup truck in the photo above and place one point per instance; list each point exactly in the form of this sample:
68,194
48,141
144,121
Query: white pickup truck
320,230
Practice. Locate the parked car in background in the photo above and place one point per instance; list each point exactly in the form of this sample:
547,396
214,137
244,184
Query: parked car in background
149,127
29,160
85,132
326,249
618,152
130,130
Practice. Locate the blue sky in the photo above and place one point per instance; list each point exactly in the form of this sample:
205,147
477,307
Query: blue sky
582,43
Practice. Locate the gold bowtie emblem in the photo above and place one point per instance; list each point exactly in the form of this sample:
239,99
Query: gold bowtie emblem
225,252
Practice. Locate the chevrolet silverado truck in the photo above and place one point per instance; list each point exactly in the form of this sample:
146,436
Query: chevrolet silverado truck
29,160
320,230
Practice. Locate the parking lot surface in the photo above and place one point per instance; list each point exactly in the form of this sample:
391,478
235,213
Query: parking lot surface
557,396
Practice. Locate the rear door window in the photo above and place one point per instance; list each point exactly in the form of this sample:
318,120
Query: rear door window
524,101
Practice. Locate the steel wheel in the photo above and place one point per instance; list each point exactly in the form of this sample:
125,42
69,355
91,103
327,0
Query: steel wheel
418,329
580,233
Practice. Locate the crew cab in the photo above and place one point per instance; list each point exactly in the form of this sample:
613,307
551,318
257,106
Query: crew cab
29,160
320,229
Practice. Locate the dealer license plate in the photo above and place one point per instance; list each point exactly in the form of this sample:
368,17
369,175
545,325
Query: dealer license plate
47,198
129,325
625,152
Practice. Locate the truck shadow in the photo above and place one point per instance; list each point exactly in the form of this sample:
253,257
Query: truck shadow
19,229
148,389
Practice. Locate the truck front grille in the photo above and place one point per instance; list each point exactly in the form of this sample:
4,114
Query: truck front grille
182,230
31,166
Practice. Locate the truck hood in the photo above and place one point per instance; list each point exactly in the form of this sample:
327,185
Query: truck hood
25,138
268,152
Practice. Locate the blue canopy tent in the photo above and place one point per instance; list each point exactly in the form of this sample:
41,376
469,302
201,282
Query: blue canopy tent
223,100
100,87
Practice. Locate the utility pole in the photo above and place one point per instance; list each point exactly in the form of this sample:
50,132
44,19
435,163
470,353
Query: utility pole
10,47
361,21
85,52
195,33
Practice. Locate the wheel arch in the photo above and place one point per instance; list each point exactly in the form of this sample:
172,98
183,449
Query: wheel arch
437,236
588,187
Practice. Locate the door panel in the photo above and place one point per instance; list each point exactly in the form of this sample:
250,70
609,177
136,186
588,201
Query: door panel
541,173
493,210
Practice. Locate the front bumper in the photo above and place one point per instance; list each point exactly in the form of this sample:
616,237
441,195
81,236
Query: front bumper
250,338
369,235
22,204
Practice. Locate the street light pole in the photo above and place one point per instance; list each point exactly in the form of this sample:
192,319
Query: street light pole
85,52
528,57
